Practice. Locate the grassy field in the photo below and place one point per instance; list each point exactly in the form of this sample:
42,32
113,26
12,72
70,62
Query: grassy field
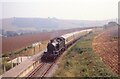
81,61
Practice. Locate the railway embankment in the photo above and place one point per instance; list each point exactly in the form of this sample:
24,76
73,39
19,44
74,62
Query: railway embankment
81,61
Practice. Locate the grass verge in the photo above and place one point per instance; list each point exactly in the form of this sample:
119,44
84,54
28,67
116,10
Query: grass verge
81,61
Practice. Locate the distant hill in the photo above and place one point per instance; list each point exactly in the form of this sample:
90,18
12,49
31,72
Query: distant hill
46,24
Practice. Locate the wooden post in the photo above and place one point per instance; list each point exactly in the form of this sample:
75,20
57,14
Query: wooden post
34,50
4,68
11,64
10,57
39,47
21,58
17,60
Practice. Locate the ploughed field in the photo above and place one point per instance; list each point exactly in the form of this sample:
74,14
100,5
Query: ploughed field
105,45
10,44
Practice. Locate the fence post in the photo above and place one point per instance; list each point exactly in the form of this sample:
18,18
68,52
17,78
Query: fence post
10,57
39,47
17,59
34,50
11,64
4,68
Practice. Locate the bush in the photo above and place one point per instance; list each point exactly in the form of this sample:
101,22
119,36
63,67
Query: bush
7,66
77,49
4,55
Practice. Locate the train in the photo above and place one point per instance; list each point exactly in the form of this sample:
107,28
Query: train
59,44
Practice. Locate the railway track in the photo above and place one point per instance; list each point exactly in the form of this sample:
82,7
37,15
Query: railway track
42,70
36,70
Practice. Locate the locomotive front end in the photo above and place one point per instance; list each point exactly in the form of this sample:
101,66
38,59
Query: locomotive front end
54,48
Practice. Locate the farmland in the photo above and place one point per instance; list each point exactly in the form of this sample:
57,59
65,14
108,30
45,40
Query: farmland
81,61
19,46
105,45
11,44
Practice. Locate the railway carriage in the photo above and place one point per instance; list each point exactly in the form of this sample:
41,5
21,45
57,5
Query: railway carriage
69,38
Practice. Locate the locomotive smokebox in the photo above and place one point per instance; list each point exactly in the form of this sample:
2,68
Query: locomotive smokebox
47,57
54,49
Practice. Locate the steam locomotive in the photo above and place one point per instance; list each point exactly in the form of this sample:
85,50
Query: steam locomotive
59,44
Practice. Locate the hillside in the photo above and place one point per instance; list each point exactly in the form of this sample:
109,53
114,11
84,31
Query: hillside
46,24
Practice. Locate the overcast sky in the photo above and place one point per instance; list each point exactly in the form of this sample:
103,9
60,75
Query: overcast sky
61,9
